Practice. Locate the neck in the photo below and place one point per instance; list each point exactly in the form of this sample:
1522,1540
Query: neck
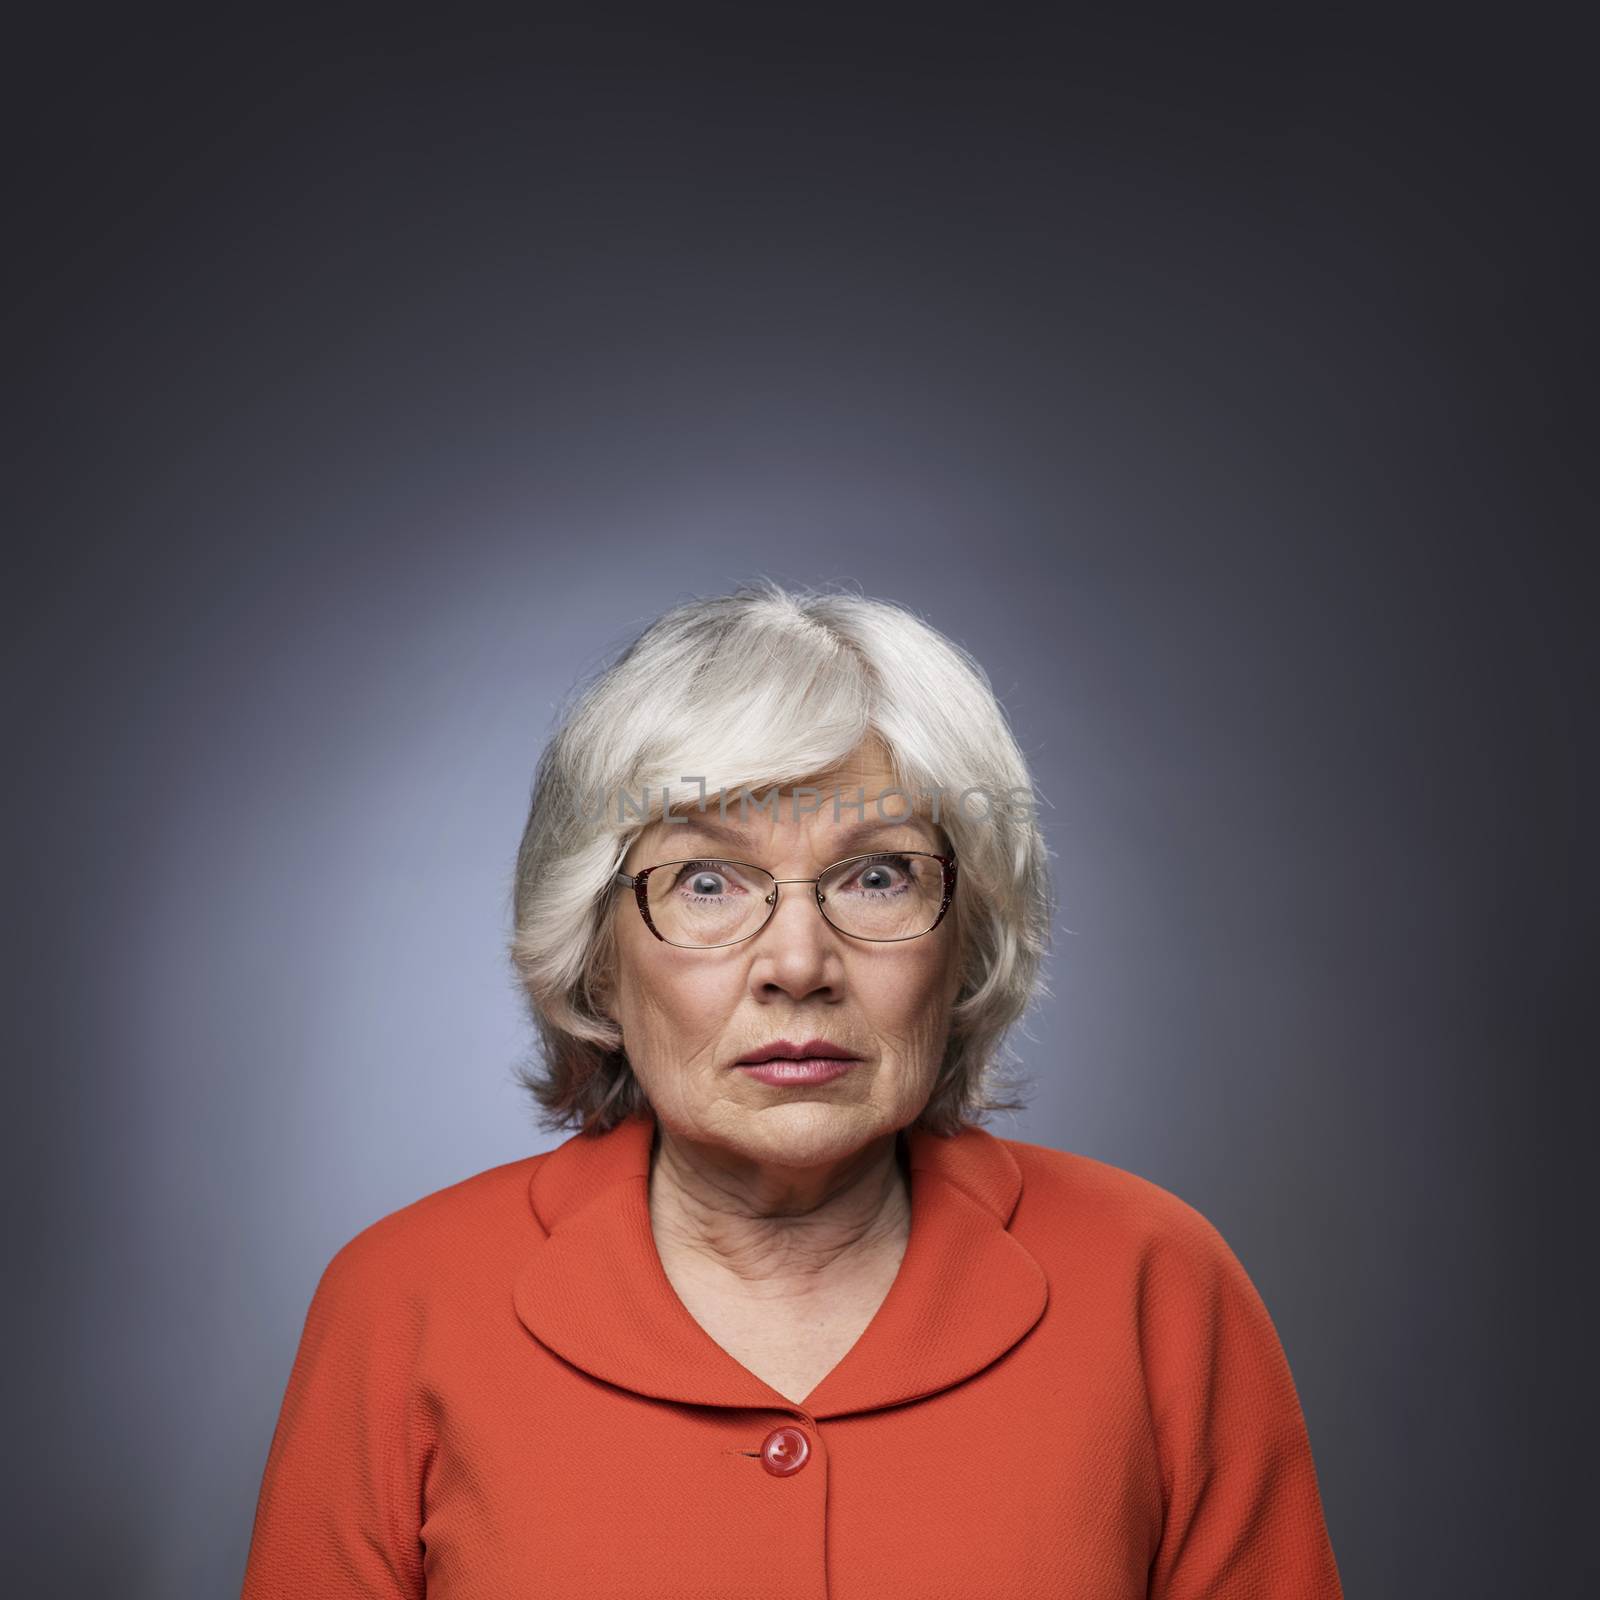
778,1231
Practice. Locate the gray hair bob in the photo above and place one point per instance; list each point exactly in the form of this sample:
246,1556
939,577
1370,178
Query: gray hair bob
772,686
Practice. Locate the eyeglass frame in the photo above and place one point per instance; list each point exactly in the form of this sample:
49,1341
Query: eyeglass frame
640,884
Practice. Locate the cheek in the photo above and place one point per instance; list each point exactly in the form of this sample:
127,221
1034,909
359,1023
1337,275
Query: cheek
908,995
671,1003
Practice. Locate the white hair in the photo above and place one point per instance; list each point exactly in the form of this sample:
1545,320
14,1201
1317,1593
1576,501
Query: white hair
771,686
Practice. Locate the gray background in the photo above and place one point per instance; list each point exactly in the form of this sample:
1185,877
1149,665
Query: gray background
1208,380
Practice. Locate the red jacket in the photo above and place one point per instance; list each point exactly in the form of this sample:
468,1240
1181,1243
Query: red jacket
1072,1389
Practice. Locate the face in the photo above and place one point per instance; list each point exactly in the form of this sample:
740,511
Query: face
688,1015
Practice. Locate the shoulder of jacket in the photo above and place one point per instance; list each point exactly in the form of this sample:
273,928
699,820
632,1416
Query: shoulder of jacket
475,1219
1064,1188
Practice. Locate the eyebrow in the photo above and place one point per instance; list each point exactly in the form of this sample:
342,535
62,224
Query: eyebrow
739,840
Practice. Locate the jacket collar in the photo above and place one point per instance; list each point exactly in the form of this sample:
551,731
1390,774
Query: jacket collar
595,1292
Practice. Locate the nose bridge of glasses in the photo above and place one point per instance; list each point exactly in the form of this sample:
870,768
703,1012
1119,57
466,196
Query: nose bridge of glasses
776,896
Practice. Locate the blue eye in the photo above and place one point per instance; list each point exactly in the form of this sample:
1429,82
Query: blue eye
882,875
709,880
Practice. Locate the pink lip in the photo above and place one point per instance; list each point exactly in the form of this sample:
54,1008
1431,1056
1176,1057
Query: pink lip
811,1050
780,1074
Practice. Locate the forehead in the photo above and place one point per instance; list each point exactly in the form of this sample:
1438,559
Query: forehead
852,808
756,837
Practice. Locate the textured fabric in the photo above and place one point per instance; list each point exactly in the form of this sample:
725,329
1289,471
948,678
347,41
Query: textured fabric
1072,1389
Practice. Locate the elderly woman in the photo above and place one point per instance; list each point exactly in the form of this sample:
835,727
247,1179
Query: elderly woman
780,1316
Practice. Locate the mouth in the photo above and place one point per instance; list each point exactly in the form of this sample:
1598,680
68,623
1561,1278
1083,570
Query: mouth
784,1062
786,1050
815,1069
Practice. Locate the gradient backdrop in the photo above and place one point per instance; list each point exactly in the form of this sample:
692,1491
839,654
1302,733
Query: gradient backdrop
1206,379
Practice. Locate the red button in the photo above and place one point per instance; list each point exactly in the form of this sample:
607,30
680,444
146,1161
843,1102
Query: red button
785,1450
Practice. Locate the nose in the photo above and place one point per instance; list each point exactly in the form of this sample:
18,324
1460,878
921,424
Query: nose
798,953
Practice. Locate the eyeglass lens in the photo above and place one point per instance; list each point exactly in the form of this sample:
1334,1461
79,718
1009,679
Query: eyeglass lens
710,902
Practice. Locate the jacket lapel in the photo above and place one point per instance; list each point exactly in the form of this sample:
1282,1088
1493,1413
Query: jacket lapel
594,1290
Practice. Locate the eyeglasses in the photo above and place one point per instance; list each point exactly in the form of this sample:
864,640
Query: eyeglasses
884,897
